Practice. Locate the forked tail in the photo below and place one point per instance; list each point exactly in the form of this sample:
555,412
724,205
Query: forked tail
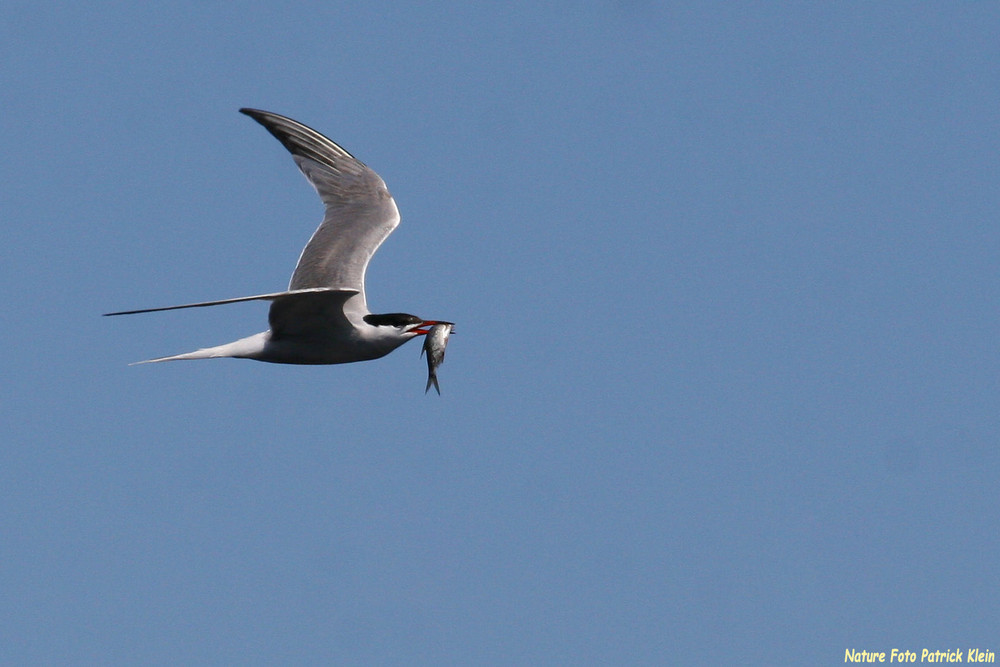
244,348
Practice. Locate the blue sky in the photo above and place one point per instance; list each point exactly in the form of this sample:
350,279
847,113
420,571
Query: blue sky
725,379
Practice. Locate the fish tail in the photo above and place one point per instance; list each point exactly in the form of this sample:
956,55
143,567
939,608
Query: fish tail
432,380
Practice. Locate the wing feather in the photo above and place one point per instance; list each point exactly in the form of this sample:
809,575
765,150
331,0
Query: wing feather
360,212
274,296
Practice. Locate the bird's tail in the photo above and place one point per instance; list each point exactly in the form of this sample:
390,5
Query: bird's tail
204,353
244,348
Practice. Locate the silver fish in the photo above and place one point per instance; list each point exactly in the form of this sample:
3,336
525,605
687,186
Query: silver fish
435,342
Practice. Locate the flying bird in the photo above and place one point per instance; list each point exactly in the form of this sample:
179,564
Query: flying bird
323,317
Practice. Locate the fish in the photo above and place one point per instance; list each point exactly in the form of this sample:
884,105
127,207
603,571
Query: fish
435,342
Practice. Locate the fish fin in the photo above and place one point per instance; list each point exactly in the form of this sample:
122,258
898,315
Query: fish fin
432,380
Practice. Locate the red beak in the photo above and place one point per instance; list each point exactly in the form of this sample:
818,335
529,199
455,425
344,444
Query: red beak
425,327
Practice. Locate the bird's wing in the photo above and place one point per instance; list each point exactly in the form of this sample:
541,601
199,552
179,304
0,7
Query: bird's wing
310,314
274,296
360,212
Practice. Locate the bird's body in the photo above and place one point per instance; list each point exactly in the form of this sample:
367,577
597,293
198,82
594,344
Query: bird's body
323,317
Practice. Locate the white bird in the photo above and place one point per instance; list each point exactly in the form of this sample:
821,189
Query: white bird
323,317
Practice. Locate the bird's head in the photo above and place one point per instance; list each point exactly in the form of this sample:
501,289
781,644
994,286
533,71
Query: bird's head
405,324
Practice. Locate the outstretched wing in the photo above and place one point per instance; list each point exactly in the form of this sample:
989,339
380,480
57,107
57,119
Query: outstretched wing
360,212
274,297
310,314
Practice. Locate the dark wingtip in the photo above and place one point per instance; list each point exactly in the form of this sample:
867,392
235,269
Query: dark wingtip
258,115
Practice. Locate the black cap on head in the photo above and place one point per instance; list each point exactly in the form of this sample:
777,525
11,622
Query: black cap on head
392,320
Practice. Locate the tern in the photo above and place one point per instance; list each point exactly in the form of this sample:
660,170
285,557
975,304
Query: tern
323,317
